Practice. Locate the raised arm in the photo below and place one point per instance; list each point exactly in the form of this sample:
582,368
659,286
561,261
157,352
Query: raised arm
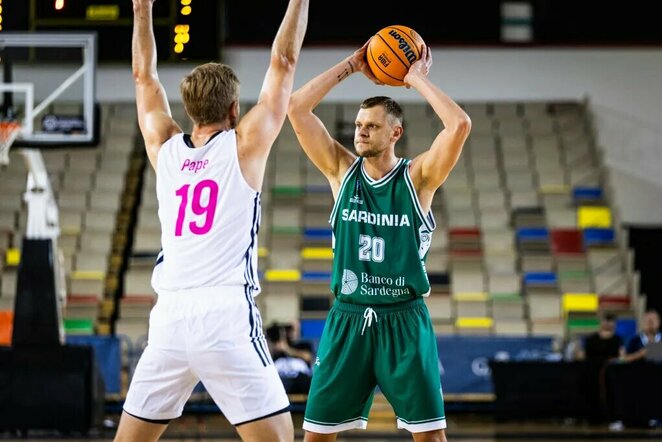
330,157
430,169
154,117
258,129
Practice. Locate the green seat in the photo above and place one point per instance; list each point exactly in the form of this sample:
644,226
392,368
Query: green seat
574,275
78,326
287,191
583,324
505,297
286,230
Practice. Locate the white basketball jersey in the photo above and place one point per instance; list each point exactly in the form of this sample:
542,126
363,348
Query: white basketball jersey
209,216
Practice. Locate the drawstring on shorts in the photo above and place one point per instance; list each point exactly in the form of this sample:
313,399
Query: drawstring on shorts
367,318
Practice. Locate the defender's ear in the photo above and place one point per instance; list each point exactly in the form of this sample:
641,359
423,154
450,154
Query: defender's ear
234,110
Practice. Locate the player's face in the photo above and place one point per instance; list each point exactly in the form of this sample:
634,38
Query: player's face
651,322
373,133
608,325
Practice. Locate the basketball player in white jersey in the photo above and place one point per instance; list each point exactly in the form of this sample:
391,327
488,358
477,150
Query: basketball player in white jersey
205,325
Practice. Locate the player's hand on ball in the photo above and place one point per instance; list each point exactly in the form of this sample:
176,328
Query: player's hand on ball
420,67
360,63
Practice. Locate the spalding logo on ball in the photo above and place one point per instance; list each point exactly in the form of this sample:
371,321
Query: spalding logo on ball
391,51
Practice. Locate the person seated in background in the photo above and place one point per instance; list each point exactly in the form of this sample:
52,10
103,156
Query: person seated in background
292,356
650,332
635,351
604,345
598,349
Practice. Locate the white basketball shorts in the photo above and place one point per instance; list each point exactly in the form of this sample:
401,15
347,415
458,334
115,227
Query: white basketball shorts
209,335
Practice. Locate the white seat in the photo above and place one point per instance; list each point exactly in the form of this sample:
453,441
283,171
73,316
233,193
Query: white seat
504,282
467,281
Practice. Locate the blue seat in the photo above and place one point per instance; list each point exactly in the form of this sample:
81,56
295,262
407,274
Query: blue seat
598,236
312,328
581,193
316,276
317,234
532,234
540,278
626,328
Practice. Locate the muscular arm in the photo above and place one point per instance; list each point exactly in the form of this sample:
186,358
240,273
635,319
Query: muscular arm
330,157
258,129
430,169
154,117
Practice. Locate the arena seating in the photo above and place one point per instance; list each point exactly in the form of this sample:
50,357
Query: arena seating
527,242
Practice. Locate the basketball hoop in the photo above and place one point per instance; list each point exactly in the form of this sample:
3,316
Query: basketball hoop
9,130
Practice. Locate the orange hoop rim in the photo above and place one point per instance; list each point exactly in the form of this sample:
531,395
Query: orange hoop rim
7,127
8,132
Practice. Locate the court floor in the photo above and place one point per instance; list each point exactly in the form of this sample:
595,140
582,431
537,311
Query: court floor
461,427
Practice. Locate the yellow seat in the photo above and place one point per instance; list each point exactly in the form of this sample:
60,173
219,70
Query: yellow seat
593,216
262,252
87,275
579,302
467,322
470,296
13,257
282,275
69,230
317,253
555,189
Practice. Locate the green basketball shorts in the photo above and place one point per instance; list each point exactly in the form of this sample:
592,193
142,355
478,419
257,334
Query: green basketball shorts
362,347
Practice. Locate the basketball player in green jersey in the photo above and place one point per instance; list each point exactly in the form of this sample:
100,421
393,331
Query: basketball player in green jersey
378,332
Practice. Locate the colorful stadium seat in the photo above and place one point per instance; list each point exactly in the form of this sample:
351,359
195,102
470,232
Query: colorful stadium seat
282,275
593,216
579,302
567,241
587,195
540,278
599,236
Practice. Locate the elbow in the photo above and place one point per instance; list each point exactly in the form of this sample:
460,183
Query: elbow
462,126
141,77
285,61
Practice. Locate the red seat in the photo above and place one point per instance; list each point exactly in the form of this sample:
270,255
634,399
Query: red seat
611,302
567,241
82,299
463,232
466,253
465,240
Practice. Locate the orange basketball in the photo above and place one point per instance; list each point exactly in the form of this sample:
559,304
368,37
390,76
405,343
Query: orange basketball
391,51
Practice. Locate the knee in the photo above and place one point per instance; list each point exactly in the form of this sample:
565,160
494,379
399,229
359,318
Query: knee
431,436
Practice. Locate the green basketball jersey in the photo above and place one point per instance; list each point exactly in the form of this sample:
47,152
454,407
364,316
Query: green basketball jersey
381,238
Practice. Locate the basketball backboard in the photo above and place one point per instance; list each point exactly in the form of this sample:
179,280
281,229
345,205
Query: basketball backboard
49,86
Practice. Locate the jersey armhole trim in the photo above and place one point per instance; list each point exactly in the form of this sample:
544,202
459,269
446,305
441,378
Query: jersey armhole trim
428,221
350,170
238,164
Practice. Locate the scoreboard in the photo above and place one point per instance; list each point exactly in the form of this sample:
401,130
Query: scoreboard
183,29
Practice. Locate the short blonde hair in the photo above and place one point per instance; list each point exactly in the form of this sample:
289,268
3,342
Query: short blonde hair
208,91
